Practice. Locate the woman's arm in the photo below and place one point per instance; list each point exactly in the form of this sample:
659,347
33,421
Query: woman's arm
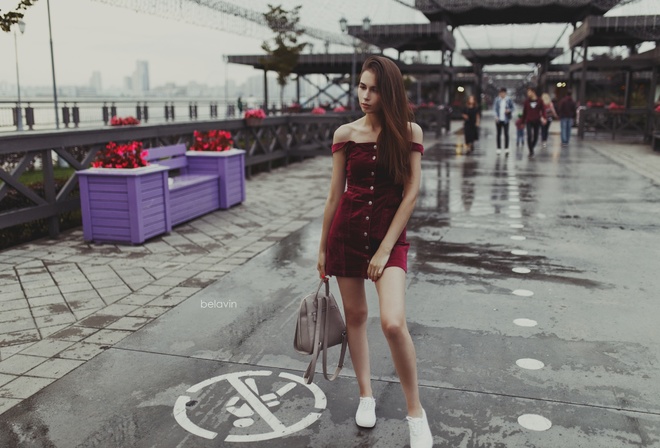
477,119
403,213
337,186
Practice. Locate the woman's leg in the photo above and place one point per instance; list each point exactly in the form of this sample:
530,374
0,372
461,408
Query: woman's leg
391,296
354,300
544,131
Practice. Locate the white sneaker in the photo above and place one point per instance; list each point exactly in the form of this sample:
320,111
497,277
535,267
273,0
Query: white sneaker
420,433
365,416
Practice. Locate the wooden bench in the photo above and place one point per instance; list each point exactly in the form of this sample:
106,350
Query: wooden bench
191,194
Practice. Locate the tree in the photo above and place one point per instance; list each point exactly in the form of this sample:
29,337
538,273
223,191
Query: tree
10,18
283,57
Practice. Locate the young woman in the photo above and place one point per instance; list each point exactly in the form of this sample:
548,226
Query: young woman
550,114
471,119
378,159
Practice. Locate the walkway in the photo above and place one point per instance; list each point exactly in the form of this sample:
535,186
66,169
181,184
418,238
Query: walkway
531,302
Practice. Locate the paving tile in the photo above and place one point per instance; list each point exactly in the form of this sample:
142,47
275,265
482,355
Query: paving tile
76,287
40,292
107,337
28,286
47,348
46,300
73,333
168,301
13,305
54,368
117,309
105,283
136,299
150,311
129,323
19,337
8,403
82,351
98,320
183,291
19,364
24,387
168,281
83,313
55,319
47,310
82,304
4,378
11,316
114,290
12,295
18,325
47,331
154,290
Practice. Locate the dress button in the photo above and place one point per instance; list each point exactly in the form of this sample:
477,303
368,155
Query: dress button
373,174
370,203
371,188
366,247
365,233
367,218
375,146
373,158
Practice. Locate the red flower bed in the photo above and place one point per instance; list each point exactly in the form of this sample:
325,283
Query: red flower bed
255,113
128,121
212,141
318,111
129,155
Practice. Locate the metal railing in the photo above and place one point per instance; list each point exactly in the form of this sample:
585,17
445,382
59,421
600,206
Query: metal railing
274,139
74,113
638,124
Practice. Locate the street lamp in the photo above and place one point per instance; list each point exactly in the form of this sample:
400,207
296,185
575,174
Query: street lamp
366,26
19,109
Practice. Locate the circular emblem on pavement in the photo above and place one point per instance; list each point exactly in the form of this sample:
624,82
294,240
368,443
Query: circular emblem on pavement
249,406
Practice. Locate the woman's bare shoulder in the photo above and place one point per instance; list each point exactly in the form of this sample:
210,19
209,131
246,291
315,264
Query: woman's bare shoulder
346,132
416,133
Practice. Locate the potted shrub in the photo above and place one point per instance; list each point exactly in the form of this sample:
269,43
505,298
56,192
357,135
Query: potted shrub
123,198
128,121
212,152
254,117
318,111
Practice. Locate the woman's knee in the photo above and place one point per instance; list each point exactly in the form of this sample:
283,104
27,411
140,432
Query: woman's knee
356,314
393,328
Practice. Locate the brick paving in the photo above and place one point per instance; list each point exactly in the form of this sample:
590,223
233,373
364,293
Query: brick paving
62,302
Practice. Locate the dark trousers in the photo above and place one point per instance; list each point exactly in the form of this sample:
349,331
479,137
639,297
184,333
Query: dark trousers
544,130
532,134
502,126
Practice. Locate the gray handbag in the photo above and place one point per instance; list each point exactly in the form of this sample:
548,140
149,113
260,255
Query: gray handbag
318,327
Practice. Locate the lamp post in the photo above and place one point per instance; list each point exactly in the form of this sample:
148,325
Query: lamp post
52,66
366,25
19,109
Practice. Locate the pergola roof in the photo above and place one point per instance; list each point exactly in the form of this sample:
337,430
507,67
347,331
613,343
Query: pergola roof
411,37
642,61
332,63
491,12
511,55
613,31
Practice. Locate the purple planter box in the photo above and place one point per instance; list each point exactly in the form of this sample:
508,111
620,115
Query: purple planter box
124,205
229,165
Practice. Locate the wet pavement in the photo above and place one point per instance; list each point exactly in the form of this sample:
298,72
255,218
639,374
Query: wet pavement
531,299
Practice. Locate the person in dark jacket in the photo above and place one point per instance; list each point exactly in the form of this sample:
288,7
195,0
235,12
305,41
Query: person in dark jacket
534,117
566,111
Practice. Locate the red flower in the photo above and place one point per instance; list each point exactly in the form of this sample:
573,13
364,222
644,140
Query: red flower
214,140
130,155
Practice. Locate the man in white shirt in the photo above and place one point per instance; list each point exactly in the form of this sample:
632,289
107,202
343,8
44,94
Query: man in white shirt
503,109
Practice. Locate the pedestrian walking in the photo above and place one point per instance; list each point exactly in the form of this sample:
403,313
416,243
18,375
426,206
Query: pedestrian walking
534,117
520,132
239,104
567,110
471,119
550,114
503,108
378,157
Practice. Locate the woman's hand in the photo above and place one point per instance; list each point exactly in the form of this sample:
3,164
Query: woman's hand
320,265
377,264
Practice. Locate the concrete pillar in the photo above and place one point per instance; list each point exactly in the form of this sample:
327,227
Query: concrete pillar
583,80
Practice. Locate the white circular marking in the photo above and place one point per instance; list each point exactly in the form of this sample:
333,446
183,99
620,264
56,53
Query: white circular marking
534,422
519,252
253,405
522,322
530,364
521,270
518,238
514,207
523,293
517,226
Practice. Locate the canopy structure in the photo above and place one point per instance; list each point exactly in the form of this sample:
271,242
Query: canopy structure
411,37
615,31
492,12
511,55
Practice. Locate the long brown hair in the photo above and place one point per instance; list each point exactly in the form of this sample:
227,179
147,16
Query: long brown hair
394,114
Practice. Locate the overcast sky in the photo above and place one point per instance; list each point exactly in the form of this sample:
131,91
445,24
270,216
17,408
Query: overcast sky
91,35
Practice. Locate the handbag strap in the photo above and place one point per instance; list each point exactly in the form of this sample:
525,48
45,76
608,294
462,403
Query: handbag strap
308,376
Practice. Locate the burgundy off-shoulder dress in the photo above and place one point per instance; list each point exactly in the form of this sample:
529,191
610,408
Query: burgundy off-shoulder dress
364,215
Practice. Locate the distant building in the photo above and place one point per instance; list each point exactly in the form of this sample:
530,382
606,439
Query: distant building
141,77
128,84
95,82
